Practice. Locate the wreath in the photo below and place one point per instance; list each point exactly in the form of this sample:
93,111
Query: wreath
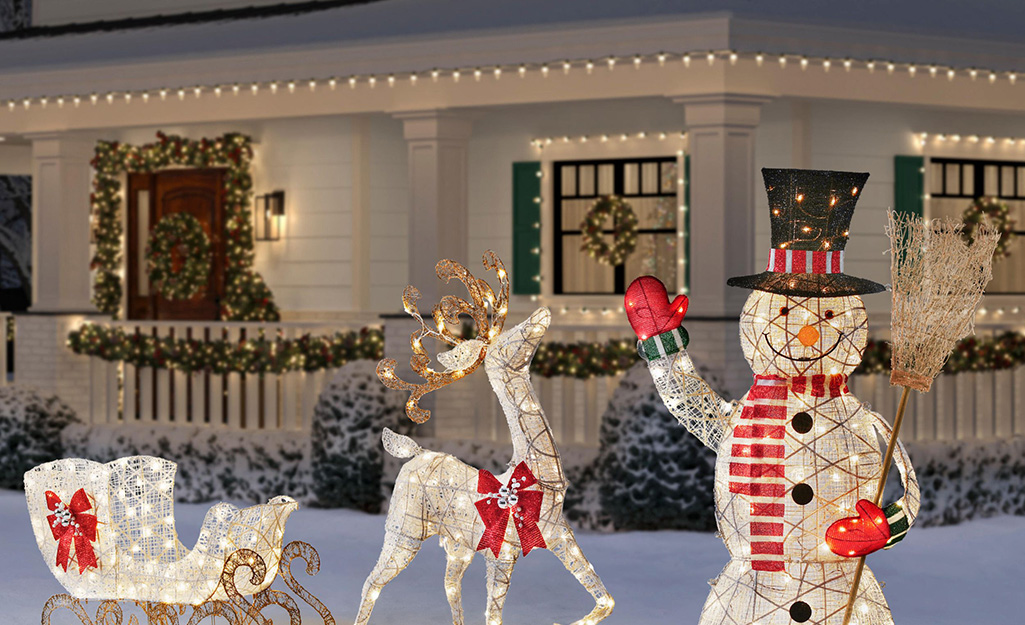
624,230
178,256
995,214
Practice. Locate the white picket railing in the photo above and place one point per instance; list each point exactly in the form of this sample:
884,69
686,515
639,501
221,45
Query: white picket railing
123,393
470,410
972,405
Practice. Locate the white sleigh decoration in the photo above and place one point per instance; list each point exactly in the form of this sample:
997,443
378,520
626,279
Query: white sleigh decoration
134,553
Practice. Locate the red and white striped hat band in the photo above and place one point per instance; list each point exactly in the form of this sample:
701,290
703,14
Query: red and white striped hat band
805,261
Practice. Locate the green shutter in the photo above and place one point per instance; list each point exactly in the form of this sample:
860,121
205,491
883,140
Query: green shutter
686,224
908,184
526,265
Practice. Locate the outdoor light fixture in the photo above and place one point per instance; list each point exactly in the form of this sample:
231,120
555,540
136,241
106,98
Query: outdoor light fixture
270,215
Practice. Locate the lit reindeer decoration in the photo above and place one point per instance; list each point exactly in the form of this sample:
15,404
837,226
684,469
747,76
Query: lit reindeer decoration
471,509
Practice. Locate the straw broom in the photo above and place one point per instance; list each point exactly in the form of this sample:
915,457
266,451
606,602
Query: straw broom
938,280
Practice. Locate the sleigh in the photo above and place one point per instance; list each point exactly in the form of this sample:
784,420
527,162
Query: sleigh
107,532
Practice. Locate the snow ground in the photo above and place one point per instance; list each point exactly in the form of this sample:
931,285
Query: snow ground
957,575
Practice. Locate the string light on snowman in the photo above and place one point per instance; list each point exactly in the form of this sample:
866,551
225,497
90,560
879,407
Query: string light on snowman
799,454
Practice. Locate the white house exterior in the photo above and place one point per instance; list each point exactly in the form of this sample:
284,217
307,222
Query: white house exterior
393,127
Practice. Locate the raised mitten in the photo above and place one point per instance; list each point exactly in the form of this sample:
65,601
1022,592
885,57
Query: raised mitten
649,310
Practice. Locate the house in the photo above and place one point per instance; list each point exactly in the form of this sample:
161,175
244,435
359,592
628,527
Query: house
388,134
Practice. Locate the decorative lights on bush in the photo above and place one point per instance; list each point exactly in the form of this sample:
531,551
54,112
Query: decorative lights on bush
798,454
470,509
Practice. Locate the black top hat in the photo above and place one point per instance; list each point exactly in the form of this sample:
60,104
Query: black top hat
811,212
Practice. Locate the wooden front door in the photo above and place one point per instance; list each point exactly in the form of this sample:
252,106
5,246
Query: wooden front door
198,192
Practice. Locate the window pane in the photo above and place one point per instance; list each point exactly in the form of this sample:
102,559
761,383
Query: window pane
650,181
586,180
631,183
968,188
606,179
1020,172
1007,181
573,212
655,255
935,178
669,177
580,272
989,180
569,180
953,179
654,212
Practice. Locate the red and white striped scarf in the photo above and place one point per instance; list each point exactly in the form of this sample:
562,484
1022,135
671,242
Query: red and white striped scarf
757,459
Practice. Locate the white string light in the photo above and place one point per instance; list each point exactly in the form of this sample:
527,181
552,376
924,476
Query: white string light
733,57
540,142
923,138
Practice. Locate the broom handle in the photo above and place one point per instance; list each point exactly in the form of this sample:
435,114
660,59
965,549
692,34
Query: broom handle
887,460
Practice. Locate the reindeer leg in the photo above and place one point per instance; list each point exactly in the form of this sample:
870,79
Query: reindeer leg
567,550
397,553
499,574
459,558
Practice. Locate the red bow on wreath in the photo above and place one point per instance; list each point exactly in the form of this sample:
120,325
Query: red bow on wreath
499,501
71,524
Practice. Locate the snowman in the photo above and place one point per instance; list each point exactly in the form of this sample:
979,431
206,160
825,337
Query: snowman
799,457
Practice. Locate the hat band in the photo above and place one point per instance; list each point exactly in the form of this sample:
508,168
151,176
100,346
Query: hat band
805,261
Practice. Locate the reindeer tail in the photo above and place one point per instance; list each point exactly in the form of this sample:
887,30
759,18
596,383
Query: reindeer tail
400,446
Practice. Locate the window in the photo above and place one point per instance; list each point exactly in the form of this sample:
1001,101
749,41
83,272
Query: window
954,183
650,186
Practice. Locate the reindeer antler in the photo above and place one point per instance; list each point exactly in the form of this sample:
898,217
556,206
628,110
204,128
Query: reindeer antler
446,313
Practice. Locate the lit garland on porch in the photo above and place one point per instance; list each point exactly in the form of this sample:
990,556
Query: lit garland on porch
584,359
251,355
1003,351
246,296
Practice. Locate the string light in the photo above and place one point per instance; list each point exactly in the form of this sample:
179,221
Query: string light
923,138
523,69
541,142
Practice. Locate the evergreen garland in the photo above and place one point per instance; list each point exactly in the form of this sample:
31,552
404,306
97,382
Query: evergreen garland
181,234
247,297
1003,351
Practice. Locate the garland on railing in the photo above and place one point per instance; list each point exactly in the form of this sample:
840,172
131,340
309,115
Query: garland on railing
250,355
1003,351
247,297
584,359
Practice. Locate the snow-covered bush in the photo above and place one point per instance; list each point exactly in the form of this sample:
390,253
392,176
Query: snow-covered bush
245,467
30,432
964,480
650,472
348,458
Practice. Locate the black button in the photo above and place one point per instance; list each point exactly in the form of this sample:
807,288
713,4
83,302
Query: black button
802,422
802,494
800,611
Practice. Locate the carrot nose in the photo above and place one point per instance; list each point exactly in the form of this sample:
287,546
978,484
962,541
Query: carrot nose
808,335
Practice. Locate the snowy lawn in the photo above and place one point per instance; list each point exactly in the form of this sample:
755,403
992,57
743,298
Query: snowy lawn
941,576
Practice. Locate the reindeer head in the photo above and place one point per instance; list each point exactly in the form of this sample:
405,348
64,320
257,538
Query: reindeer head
513,350
488,314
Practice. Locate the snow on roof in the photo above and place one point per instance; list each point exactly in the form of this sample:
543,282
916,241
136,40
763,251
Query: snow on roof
989,21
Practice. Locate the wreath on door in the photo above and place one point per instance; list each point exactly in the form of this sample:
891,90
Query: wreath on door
178,256
624,230
994,214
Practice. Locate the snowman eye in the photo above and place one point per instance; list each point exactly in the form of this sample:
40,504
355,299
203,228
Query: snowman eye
784,311
829,314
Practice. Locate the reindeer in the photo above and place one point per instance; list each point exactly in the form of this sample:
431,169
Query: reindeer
437,494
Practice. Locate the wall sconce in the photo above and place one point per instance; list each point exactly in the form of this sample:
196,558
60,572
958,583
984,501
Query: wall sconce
270,215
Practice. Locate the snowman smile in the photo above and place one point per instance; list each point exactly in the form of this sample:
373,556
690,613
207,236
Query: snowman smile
806,358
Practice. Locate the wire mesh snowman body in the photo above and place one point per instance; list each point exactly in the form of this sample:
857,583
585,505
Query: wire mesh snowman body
794,456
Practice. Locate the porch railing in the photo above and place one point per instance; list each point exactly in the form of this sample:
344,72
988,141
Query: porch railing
123,393
972,405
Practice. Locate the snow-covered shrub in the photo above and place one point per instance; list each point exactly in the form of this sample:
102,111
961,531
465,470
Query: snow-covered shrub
348,458
245,467
30,432
964,480
650,472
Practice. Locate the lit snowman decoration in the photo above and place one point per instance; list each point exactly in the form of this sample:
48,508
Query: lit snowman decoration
799,457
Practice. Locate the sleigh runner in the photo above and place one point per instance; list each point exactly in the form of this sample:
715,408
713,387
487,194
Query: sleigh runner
107,532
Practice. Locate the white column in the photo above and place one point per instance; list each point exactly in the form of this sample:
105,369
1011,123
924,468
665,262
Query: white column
721,131
438,217
61,177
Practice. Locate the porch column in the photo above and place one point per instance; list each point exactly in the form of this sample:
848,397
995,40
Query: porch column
61,177
721,131
438,181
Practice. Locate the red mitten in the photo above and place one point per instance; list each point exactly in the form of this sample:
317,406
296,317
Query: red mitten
861,535
649,310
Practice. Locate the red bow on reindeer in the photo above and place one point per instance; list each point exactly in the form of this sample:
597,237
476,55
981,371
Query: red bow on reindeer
494,509
71,524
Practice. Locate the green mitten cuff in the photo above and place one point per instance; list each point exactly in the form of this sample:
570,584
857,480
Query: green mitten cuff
898,521
664,344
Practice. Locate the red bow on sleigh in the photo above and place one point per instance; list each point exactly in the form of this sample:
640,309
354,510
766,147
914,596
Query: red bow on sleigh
500,501
71,524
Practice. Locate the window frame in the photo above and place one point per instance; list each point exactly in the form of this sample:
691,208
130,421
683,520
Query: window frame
618,181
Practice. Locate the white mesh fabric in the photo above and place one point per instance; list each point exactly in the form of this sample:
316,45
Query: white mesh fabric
140,556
